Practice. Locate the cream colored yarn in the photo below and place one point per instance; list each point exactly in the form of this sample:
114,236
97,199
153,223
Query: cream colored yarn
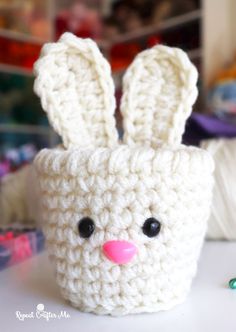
76,89
120,185
159,91
19,199
222,223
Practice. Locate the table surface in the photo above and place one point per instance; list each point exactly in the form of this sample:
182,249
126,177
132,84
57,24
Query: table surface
211,305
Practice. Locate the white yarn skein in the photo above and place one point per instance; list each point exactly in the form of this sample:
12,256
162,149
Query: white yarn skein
222,222
19,199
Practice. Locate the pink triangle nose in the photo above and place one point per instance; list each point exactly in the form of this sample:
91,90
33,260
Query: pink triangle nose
119,252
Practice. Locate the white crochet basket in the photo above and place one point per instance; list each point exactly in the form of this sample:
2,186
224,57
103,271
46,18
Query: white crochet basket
124,221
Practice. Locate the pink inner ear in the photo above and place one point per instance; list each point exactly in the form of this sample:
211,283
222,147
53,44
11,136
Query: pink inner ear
119,252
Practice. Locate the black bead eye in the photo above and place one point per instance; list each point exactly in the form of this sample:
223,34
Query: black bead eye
86,227
151,227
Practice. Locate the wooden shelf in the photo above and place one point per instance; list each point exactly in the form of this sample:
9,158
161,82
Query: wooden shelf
25,129
11,69
149,30
138,34
22,37
31,130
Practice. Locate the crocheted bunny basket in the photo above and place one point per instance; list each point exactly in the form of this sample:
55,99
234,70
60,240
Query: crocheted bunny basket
124,221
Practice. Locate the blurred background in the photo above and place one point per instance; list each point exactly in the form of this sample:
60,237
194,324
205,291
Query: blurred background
122,28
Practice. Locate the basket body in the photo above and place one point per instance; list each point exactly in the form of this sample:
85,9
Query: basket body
119,189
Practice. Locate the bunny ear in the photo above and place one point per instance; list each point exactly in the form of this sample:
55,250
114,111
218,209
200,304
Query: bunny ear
74,83
159,89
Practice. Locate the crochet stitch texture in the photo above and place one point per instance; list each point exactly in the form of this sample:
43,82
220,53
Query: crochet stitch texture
119,185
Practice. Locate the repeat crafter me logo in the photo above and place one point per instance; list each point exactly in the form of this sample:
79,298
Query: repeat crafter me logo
41,313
